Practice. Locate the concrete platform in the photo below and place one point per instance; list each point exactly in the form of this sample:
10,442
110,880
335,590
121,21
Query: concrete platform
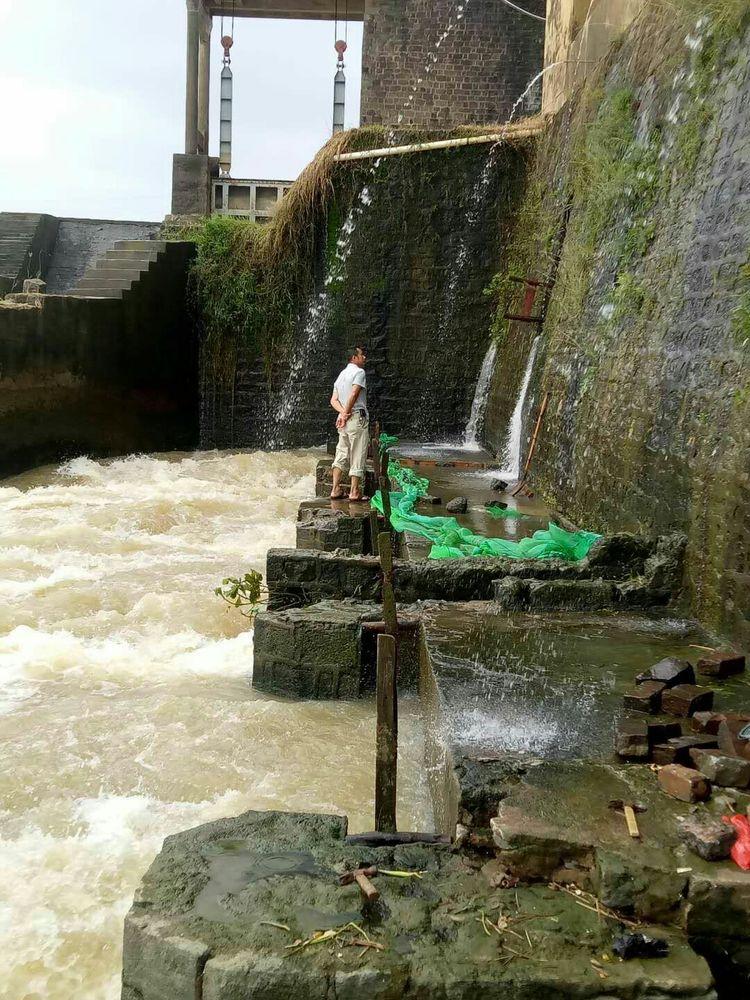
221,907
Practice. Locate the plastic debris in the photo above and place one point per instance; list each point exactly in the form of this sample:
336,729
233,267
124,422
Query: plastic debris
639,945
450,540
740,852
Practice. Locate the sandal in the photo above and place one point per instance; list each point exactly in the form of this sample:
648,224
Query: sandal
362,499
338,496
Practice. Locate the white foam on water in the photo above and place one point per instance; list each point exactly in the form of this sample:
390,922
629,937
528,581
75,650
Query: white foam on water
125,708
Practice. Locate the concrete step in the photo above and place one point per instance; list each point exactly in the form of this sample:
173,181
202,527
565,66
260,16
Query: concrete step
98,274
140,245
146,254
134,264
97,293
86,284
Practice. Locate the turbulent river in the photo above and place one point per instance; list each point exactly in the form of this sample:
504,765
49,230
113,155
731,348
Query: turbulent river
125,709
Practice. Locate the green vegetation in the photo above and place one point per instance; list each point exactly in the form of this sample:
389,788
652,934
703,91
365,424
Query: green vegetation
247,592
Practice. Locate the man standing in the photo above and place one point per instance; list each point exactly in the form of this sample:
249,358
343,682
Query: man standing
349,399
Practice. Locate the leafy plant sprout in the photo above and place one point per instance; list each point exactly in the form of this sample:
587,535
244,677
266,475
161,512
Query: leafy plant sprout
247,592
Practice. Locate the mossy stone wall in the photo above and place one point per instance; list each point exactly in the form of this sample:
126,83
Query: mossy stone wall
639,209
402,264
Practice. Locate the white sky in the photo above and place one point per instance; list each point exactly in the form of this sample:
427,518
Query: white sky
93,91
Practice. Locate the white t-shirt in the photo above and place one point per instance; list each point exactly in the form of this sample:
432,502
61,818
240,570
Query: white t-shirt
352,375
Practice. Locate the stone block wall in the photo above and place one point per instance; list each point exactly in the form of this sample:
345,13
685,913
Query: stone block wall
645,179
412,71
426,241
100,376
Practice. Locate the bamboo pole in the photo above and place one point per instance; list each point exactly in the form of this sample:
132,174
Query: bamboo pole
532,446
386,747
510,133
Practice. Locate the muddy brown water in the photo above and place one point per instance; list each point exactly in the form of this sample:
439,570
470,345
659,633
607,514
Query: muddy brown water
125,708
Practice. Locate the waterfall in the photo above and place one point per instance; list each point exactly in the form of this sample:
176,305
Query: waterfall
476,417
512,460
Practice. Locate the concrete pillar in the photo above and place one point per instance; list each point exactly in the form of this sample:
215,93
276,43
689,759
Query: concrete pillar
194,14
204,84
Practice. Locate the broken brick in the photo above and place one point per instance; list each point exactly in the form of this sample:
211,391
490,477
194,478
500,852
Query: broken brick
669,671
684,783
710,838
707,722
722,769
686,699
677,750
730,741
661,730
631,739
644,697
721,663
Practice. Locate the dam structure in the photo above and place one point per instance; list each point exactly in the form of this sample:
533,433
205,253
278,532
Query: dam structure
485,733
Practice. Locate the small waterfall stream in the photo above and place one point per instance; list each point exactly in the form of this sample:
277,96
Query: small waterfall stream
478,407
512,459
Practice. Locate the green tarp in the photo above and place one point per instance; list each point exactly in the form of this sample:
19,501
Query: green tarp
452,541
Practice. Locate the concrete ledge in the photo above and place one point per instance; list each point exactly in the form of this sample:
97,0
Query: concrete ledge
326,651
639,573
213,907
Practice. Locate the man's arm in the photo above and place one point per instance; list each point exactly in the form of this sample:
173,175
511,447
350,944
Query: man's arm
336,402
347,410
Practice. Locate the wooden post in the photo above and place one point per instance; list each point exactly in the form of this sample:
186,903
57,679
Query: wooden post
374,531
386,752
389,596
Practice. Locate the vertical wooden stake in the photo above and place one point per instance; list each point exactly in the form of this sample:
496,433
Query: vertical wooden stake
386,752
389,595
374,532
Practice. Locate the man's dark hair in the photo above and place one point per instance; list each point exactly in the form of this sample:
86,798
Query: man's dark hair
351,351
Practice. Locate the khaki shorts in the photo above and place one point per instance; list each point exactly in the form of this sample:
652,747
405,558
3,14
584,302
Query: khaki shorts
351,451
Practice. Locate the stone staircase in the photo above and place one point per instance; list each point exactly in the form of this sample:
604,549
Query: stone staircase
118,269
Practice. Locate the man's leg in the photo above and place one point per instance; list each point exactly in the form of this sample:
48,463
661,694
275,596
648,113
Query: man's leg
340,465
360,440
336,488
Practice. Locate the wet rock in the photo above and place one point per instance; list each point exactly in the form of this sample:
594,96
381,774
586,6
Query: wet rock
571,595
639,946
664,569
676,750
619,556
639,884
498,484
670,671
683,783
532,848
644,697
511,594
730,740
707,836
496,505
458,505
685,699
721,664
722,769
631,740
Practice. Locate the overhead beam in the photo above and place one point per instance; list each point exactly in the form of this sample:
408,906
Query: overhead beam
314,10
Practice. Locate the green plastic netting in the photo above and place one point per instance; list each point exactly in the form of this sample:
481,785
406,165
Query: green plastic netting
452,541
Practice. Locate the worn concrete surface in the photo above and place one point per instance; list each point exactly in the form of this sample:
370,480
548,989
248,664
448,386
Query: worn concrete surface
203,923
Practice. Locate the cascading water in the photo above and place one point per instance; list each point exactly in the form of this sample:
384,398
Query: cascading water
479,405
313,341
125,709
512,459
309,352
